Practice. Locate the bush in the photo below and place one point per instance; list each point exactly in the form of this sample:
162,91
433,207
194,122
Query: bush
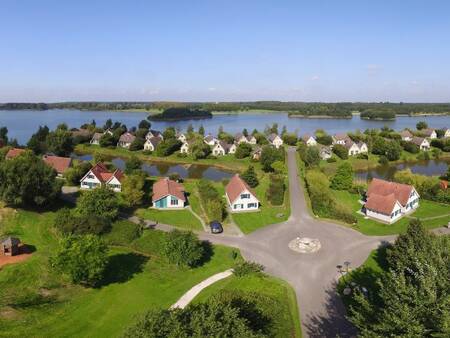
383,160
276,189
249,176
270,155
183,248
101,202
213,203
123,233
243,150
246,268
343,179
410,147
68,222
340,151
132,164
168,147
76,173
137,144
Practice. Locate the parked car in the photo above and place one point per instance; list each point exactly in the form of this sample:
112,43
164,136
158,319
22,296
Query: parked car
216,227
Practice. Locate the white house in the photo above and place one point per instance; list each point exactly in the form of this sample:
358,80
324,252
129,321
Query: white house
154,133
241,138
446,132
406,135
222,148
341,139
151,143
388,201
210,140
168,194
421,142
96,138
309,140
239,195
181,137
356,148
429,132
125,140
186,147
325,152
275,140
99,175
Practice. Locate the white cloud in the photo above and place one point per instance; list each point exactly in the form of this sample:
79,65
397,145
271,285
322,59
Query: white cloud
373,69
315,78
211,89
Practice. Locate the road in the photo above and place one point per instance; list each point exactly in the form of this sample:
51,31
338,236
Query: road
313,276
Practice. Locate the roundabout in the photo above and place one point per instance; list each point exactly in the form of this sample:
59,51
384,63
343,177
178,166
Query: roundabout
305,245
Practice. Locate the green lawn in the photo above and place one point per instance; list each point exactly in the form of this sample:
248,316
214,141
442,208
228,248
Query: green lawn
282,309
373,228
228,162
267,214
179,218
34,301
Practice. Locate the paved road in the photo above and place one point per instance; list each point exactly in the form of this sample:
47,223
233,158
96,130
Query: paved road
313,276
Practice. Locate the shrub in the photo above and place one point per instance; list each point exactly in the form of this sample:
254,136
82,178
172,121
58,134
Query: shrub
68,222
183,248
213,203
168,147
270,155
102,202
76,173
343,179
123,233
276,189
383,160
132,164
410,147
250,177
246,268
243,150
340,151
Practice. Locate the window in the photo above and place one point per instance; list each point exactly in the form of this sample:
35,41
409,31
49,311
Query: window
173,201
90,176
251,205
245,196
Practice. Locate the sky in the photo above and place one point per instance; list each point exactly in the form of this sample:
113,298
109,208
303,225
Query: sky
224,50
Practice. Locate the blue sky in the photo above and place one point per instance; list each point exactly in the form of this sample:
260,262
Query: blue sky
225,50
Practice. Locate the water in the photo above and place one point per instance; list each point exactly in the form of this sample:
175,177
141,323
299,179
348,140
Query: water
23,123
165,169
428,168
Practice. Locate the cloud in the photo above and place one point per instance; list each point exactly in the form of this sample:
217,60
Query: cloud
211,89
315,78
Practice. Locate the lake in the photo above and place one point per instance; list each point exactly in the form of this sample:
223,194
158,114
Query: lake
165,169
23,123
429,168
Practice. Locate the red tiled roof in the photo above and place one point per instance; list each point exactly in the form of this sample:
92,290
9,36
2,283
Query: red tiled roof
60,164
101,172
443,184
384,188
14,152
235,187
165,187
381,204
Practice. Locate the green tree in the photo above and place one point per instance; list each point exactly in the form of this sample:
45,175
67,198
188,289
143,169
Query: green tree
132,164
144,124
312,156
183,248
243,150
250,177
201,130
76,173
4,135
102,202
38,141
421,125
270,155
68,222
60,142
340,151
133,189
343,179
82,258
27,180
107,140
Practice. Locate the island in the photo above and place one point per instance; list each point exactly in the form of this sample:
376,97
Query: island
181,113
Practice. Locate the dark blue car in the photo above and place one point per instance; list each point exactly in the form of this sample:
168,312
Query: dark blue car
216,227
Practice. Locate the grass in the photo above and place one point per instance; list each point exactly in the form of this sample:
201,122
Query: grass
373,228
178,218
227,162
267,214
284,311
35,301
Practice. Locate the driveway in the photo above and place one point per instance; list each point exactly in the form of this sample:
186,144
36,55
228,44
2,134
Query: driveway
314,275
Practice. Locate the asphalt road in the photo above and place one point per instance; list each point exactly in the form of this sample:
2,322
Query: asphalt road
314,275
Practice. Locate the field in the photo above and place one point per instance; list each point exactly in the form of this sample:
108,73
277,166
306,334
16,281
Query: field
35,301
283,304
426,212
180,218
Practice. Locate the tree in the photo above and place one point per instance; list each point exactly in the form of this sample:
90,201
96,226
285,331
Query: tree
343,179
38,141
82,258
379,146
133,189
168,147
393,150
201,130
340,151
243,150
137,144
101,202
290,138
60,142
132,164
144,124
108,140
269,155
68,222
421,125
245,132
76,173
183,248
278,167
276,189
4,135
108,124
200,150
250,177
169,133
312,156
411,297
27,180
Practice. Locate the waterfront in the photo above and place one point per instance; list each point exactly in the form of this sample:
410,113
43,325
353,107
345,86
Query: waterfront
23,123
